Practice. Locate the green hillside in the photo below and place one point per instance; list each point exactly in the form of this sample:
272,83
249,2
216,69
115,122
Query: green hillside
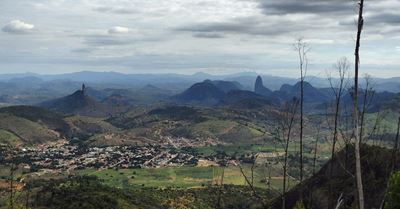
220,124
9,138
47,118
29,132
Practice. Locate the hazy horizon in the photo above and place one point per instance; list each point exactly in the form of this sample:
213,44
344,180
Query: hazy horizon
241,73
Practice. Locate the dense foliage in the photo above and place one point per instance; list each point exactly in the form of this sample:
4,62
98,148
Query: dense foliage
89,192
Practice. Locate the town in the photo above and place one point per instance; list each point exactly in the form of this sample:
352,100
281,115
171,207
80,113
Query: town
66,157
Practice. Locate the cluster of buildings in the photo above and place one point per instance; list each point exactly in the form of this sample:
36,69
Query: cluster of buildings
61,157
67,157
179,142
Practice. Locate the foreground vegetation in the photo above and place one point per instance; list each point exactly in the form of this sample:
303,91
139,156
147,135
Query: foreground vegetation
90,192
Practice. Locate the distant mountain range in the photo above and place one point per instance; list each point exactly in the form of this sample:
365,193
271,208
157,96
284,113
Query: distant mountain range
120,90
225,93
217,93
177,81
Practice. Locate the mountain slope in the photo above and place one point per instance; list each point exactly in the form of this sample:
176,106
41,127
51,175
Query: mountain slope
244,100
376,172
78,103
226,86
52,120
311,94
214,93
204,93
27,132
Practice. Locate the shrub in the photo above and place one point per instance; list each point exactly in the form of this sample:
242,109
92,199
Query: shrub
393,195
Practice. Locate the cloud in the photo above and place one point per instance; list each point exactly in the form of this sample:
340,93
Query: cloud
247,26
260,30
18,27
305,6
105,41
82,50
115,10
208,35
387,18
118,30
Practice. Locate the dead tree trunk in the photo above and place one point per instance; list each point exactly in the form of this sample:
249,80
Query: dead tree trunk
396,146
360,189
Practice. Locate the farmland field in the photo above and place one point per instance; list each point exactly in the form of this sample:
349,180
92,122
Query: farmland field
183,177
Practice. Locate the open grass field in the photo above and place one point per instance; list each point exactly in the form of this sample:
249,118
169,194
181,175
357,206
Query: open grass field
243,149
239,149
182,177
387,121
99,122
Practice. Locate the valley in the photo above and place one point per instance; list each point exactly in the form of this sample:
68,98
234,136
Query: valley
211,134
229,104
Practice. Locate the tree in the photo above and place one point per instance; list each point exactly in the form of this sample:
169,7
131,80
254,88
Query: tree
368,95
314,162
287,122
221,186
360,24
342,66
11,201
250,182
396,146
302,48
393,195
393,187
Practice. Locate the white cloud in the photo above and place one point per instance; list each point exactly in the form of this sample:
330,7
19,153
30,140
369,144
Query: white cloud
18,26
398,48
118,30
261,35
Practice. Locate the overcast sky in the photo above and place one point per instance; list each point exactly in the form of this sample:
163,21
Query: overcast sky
188,36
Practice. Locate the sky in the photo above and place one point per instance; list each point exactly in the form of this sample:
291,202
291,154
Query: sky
189,36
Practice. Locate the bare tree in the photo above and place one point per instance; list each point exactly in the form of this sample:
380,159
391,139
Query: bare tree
377,125
342,66
302,48
250,183
221,186
287,123
368,95
346,135
11,178
12,192
314,162
360,24
316,149
396,146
